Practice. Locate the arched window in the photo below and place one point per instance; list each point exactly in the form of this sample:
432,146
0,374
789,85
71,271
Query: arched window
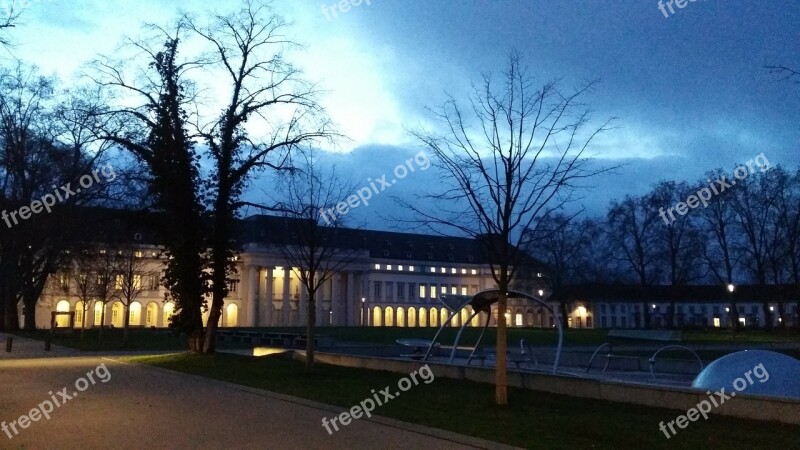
412,317
117,314
423,317
456,320
62,321
476,319
434,317
169,309
388,314
135,314
443,314
98,313
464,316
401,316
377,317
79,315
151,315
231,315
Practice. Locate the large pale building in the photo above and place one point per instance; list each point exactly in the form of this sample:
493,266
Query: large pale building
393,279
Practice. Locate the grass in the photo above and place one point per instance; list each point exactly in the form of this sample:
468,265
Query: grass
138,339
531,420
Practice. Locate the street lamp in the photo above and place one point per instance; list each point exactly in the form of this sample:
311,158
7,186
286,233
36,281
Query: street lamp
363,322
541,292
732,310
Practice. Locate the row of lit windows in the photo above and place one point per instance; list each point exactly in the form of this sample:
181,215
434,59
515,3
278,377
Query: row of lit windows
425,290
399,267
402,268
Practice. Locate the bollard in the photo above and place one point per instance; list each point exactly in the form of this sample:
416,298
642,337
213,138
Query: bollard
47,344
9,342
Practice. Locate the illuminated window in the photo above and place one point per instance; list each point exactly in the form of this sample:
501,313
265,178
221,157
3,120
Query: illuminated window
463,271
453,270
138,254
377,267
463,290
119,281
443,270
454,289
137,282
400,268
388,267
433,269
410,268
422,289
474,272
169,308
433,291
518,320
716,322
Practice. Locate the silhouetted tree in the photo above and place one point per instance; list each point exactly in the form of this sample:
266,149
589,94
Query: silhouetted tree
519,164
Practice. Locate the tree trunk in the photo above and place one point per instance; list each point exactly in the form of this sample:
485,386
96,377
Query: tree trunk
209,346
83,323
102,322
30,315
125,323
501,383
564,315
312,322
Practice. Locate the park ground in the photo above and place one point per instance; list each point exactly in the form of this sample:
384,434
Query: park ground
531,420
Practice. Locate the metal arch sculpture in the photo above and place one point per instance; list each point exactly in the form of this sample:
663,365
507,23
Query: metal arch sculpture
482,302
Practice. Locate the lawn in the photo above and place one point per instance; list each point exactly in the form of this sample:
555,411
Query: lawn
138,339
531,420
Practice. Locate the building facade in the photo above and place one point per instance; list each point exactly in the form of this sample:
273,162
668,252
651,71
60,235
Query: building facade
394,279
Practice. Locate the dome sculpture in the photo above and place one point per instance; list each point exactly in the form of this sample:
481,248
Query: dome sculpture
754,372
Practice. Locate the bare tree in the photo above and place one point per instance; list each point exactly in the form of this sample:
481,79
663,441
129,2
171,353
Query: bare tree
519,164
559,241
632,232
754,202
319,248
40,152
84,282
104,268
678,240
132,268
722,245
266,93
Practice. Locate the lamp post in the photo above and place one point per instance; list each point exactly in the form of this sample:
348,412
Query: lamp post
363,322
732,311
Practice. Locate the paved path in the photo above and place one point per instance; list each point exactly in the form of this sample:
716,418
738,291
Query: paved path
144,407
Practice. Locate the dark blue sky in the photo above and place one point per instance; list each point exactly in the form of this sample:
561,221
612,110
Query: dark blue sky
690,90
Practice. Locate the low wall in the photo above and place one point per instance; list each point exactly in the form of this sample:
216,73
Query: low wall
743,405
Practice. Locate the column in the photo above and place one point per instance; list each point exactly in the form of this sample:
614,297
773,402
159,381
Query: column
353,303
287,271
269,296
302,309
338,303
252,295
318,304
